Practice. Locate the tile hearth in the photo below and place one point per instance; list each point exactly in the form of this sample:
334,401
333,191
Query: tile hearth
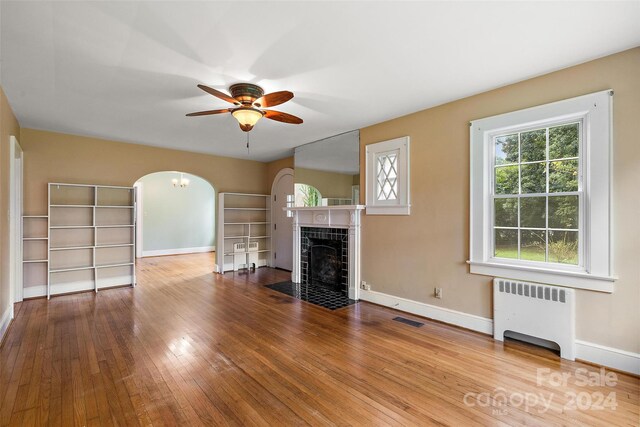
313,294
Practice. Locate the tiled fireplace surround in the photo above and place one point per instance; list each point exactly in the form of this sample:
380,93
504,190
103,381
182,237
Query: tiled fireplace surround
334,223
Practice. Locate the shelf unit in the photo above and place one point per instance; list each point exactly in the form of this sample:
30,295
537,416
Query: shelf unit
35,259
243,218
90,237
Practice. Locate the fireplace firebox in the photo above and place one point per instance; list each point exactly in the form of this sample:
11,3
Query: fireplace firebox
325,258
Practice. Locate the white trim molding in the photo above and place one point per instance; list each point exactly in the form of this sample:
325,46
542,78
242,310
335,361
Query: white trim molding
72,287
615,358
35,291
594,271
5,321
178,251
446,315
568,279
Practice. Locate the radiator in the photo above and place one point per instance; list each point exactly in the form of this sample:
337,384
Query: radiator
252,254
540,311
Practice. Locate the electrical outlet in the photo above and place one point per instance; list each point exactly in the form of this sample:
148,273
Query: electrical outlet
437,292
364,285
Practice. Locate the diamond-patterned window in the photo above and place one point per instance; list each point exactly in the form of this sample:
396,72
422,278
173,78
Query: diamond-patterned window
387,176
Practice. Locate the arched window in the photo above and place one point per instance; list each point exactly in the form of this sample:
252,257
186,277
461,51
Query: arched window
307,195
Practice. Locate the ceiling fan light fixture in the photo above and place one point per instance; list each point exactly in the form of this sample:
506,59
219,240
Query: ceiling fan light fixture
247,117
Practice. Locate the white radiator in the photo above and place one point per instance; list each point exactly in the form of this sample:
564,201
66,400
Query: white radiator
252,254
540,311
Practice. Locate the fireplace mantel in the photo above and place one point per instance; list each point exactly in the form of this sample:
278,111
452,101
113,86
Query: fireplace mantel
347,217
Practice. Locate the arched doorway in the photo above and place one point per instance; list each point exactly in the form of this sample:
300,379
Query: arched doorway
176,214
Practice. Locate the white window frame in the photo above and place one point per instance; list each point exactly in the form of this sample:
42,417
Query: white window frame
401,205
594,270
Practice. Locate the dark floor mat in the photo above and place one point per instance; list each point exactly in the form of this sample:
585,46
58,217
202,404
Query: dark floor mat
314,294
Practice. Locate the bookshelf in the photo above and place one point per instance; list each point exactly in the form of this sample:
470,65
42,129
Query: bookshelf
244,231
35,256
90,238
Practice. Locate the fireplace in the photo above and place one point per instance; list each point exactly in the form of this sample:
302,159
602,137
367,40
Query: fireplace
325,264
325,258
337,229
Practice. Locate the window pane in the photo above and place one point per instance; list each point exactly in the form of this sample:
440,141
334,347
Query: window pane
387,177
506,180
506,212
534,178
506,243
533,212
533,245
533,146
563,212
563,141
506,149
563,176
563,247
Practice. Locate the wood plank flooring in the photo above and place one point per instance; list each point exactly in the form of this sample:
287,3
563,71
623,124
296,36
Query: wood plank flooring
189,347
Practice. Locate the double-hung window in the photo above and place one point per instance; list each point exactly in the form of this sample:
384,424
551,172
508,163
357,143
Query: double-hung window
540,194
537,202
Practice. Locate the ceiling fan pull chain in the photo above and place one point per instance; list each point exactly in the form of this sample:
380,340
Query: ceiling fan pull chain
247,133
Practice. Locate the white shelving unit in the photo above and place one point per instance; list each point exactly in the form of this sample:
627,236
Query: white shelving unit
91,237
35,257
243,218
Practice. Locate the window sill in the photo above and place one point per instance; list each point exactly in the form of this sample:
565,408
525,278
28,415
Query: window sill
567,279
389,210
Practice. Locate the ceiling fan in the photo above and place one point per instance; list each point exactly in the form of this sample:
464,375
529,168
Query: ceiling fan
250,100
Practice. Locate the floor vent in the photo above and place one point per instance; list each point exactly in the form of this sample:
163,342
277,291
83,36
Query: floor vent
538,311
408,322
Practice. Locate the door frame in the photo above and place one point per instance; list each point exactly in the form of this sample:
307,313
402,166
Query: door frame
279,175
16,175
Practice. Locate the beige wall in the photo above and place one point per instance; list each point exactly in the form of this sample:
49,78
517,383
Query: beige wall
8,126
57,157
330,184
408,256
276,166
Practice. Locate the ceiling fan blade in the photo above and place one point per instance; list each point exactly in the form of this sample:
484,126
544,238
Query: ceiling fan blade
219,94
273,99
282,117
208,112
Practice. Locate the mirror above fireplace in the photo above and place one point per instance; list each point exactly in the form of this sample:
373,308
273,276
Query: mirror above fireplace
327,172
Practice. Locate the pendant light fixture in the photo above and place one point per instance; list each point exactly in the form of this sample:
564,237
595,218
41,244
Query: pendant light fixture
182,182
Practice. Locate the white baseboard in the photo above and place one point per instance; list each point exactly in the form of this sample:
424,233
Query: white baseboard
589,352
34,291
110,282
85,285
5,321
453,317
622,360
63,288
179,251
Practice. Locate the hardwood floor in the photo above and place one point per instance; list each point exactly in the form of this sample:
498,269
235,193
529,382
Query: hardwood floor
189,347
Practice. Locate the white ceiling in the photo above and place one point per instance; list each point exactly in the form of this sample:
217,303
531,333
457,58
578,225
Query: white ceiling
128,70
